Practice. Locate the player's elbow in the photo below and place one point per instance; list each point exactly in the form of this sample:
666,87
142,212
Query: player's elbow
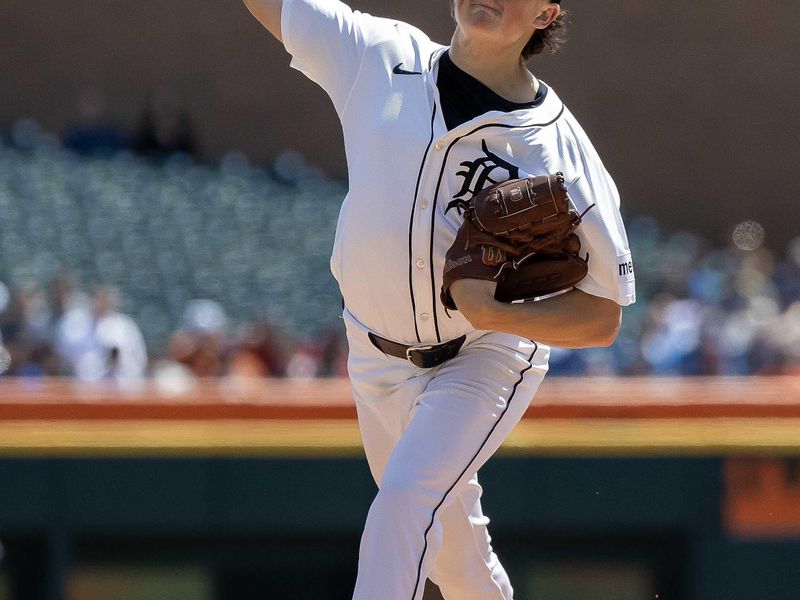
607,325
608,338
598,325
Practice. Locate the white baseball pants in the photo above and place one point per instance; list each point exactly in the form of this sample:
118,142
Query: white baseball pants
426,432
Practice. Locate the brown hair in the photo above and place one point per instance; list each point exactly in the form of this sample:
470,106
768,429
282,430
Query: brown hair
548,40
543,41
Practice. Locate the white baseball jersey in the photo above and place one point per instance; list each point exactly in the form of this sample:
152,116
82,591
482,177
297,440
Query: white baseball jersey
426,432
405,168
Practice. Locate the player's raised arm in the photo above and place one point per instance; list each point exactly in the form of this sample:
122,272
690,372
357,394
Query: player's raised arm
268,12
326,39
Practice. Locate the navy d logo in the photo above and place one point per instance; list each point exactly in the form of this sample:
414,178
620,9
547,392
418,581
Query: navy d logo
485,171
482,172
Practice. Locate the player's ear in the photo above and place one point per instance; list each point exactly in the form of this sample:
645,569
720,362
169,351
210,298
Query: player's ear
547,16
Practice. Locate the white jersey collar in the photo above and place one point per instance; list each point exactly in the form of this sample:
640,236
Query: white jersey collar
542,115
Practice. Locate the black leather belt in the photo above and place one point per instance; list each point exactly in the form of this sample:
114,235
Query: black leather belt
423,356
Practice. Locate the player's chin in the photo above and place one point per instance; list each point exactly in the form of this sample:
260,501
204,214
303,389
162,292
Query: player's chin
482,26
483,16
473,15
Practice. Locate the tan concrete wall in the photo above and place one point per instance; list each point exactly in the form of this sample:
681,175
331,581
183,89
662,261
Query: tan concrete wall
693,105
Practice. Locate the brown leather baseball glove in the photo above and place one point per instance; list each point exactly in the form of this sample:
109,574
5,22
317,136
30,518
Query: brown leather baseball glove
520,233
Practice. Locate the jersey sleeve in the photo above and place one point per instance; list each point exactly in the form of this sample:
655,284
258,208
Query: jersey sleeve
327,41
603,237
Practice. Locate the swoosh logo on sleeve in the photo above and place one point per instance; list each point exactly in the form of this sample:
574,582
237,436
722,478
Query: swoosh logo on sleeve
399,70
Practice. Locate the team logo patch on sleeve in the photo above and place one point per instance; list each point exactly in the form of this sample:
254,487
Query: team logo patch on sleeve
625,267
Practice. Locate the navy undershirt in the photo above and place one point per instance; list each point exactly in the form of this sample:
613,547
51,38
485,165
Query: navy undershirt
463,97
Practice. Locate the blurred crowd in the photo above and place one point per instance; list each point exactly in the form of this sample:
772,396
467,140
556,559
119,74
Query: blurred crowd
164,126
61,330
701,310
106,270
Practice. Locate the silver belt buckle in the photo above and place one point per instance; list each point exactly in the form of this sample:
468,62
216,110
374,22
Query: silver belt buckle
410,349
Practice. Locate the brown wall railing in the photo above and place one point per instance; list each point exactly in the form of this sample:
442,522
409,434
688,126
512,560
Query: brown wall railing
262,417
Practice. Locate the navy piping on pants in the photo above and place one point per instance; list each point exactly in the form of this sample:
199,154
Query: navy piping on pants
447,493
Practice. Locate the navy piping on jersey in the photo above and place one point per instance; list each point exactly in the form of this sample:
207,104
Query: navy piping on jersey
469,464
411,222
436,198
411,228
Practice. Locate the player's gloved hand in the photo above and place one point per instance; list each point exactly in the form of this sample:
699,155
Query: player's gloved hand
519,233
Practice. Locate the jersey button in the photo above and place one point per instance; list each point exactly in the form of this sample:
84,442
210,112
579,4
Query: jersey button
423,204
424,316
438,145
420,264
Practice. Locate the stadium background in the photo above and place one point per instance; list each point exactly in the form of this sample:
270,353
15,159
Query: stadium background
162,169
